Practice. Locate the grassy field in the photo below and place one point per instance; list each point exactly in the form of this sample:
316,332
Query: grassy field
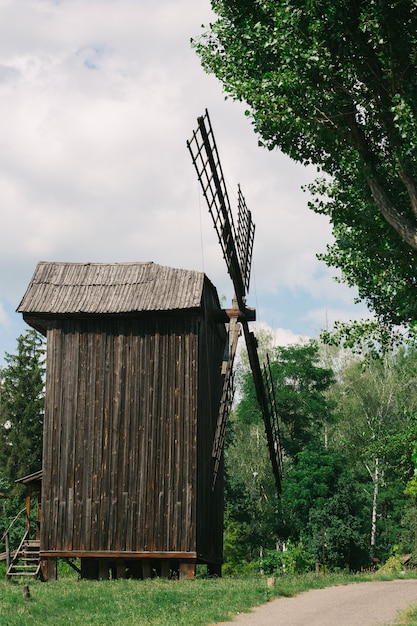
408,618
159,602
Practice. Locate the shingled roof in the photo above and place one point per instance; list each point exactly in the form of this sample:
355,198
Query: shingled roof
110,288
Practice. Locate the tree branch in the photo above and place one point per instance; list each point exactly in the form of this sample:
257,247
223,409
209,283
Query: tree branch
411,188
401,225
405,229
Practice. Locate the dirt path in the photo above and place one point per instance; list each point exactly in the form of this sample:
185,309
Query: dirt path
358,604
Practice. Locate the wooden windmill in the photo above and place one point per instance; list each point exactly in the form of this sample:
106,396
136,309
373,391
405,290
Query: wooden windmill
133,383
133,433
237,247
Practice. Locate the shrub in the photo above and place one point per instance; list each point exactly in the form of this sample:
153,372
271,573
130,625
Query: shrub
294,560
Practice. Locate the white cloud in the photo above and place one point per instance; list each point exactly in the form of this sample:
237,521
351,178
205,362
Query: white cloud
97,100
280,336
4,318
324,318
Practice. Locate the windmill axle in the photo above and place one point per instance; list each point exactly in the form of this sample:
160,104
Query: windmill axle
224,315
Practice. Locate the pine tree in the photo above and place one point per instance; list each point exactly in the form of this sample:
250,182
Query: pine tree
22,408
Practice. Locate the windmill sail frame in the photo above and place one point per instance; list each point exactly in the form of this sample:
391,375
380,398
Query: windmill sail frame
237,247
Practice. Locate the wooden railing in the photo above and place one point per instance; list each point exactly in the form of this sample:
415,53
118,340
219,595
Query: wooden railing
6,536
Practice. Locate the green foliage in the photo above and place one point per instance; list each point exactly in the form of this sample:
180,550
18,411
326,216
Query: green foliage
325,509
158,602
22,408
368,338
294,560
356,441
300,384
10,507
407,537
411,488
336,534
300,391
250,496
334,83
235,546
311,480
393,564
254,520
378,430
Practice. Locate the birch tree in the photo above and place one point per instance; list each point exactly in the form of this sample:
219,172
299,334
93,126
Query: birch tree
376,398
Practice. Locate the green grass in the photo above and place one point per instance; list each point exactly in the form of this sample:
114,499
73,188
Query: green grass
74,602
408,617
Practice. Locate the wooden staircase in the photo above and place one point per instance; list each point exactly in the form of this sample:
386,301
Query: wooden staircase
26,560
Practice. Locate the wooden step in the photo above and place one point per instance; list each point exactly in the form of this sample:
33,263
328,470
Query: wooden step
23,570
26,560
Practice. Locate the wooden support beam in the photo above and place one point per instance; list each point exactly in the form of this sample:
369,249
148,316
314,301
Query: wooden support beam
187,571
103,569
27,506
49,569
120,569
214,570
146,568
89,569
165,569
225,315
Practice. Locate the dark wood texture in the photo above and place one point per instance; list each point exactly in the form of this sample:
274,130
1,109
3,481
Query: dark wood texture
131,408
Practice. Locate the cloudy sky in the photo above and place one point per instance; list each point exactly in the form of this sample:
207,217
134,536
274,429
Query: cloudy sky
97,100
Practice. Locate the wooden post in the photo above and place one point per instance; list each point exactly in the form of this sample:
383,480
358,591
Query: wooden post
146,568
165,568
120,569
187,570
214,570
7,551
27,504
103,569
89,569
49,569
38,522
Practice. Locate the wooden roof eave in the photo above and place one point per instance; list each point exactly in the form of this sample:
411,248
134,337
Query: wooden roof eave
42,321
31,478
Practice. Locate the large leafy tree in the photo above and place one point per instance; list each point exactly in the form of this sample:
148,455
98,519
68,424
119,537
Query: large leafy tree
254,520
22,408
300,384
334,83
377,429
324,507
349,451
250,494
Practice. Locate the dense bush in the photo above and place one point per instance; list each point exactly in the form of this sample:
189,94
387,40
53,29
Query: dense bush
293,560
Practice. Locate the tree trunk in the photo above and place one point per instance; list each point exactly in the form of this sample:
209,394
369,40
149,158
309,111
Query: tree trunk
375,480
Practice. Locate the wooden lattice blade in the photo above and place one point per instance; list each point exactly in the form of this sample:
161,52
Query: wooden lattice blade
226,399
245,238
266,405
236,246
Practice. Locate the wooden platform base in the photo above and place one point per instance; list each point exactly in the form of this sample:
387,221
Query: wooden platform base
93,568
104,569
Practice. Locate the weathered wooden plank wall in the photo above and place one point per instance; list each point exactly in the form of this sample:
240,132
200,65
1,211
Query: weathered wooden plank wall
132,394
209,504
120,457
